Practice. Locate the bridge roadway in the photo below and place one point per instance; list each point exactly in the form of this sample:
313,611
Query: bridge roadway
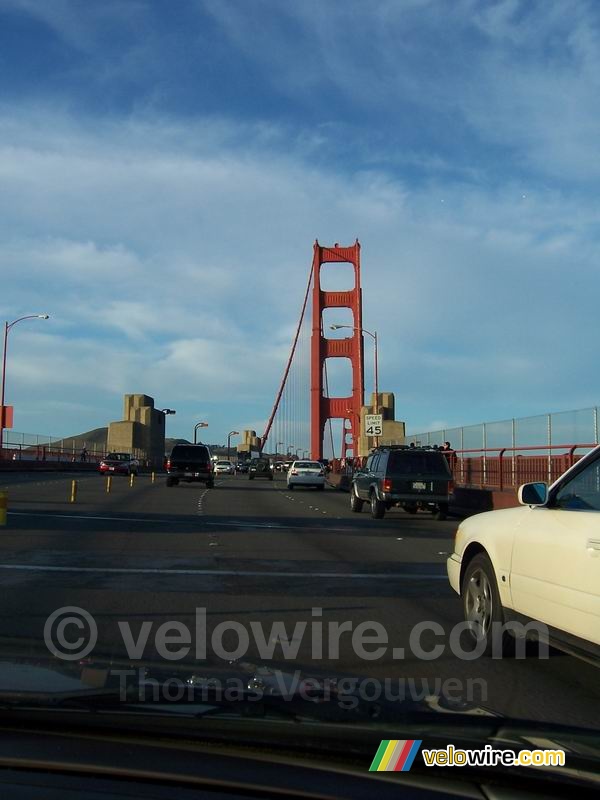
254,551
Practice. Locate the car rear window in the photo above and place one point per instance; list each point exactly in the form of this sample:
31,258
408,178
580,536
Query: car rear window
308,465
418,463
190,452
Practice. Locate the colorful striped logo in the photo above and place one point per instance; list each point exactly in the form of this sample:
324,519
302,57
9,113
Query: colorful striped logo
395,755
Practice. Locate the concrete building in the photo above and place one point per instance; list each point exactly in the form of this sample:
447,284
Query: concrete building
141,431
393,430
250,444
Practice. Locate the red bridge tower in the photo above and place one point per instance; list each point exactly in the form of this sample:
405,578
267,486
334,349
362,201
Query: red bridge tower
345,408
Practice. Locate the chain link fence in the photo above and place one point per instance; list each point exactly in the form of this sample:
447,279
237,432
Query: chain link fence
549,430
38,447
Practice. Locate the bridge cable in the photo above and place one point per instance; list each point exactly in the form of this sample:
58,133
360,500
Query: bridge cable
290,359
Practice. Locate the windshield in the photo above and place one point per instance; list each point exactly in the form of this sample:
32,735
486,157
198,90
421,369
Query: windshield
417,463
194,453
322,279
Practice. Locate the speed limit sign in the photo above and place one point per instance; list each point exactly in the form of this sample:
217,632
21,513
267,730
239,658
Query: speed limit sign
373,424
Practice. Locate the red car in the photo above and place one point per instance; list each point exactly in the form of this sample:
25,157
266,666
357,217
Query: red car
119,464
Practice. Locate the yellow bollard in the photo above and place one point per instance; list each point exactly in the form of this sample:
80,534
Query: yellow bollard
3,507
73,491
108,483
153,477
132,479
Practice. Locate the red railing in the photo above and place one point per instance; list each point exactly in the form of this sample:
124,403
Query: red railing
42,452
500,467
509,467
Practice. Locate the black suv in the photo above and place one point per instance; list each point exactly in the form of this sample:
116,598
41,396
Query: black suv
410,477
260,468
190,463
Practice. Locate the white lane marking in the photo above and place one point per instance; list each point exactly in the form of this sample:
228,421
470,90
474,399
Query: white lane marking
105,519
225,572
230,524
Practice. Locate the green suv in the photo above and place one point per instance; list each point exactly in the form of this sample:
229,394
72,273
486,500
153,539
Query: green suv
409,477
260,468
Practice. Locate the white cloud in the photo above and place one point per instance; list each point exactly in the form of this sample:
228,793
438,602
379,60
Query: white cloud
175,265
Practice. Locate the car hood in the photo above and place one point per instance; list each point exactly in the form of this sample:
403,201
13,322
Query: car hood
273,696
501,517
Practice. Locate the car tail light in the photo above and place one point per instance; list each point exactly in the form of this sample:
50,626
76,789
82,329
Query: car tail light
102,463
450,487
168,464
387,485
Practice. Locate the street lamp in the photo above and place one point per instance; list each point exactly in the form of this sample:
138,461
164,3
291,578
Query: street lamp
7,328
276,446
375,361
167,411
196,426
229,435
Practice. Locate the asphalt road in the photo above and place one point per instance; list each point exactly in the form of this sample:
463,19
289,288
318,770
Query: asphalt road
244,557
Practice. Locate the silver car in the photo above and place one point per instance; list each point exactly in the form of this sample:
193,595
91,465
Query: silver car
306,473
224,468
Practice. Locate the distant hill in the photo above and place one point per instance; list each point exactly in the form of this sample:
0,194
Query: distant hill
95,441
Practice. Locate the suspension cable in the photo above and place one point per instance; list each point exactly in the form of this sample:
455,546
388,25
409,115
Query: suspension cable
289,362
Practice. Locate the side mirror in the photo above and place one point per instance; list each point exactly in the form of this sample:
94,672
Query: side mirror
533,494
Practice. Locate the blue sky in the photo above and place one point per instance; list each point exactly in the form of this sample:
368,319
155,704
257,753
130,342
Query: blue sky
166,167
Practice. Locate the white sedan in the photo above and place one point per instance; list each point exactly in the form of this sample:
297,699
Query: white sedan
306,473
539,563
224,468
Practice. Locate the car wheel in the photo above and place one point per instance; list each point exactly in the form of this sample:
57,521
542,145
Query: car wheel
210,484
172,481
291,487
377,506
442,513
482,608
321,487
411,509
356,503
250,477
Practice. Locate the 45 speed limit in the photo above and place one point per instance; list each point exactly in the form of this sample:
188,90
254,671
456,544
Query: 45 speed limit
373,424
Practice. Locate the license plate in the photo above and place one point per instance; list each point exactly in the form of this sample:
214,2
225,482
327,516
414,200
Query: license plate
111,469
188,474
419,485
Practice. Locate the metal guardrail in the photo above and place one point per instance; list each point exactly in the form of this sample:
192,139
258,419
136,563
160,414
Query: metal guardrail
508,467
499,468
34,448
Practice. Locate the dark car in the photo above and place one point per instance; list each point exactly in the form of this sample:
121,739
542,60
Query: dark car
410,477
190,463
118,464
260,468
242,467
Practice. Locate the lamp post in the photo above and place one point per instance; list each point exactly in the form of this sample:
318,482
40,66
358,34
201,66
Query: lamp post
7,327
276,446
196,426
375,362
229,435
